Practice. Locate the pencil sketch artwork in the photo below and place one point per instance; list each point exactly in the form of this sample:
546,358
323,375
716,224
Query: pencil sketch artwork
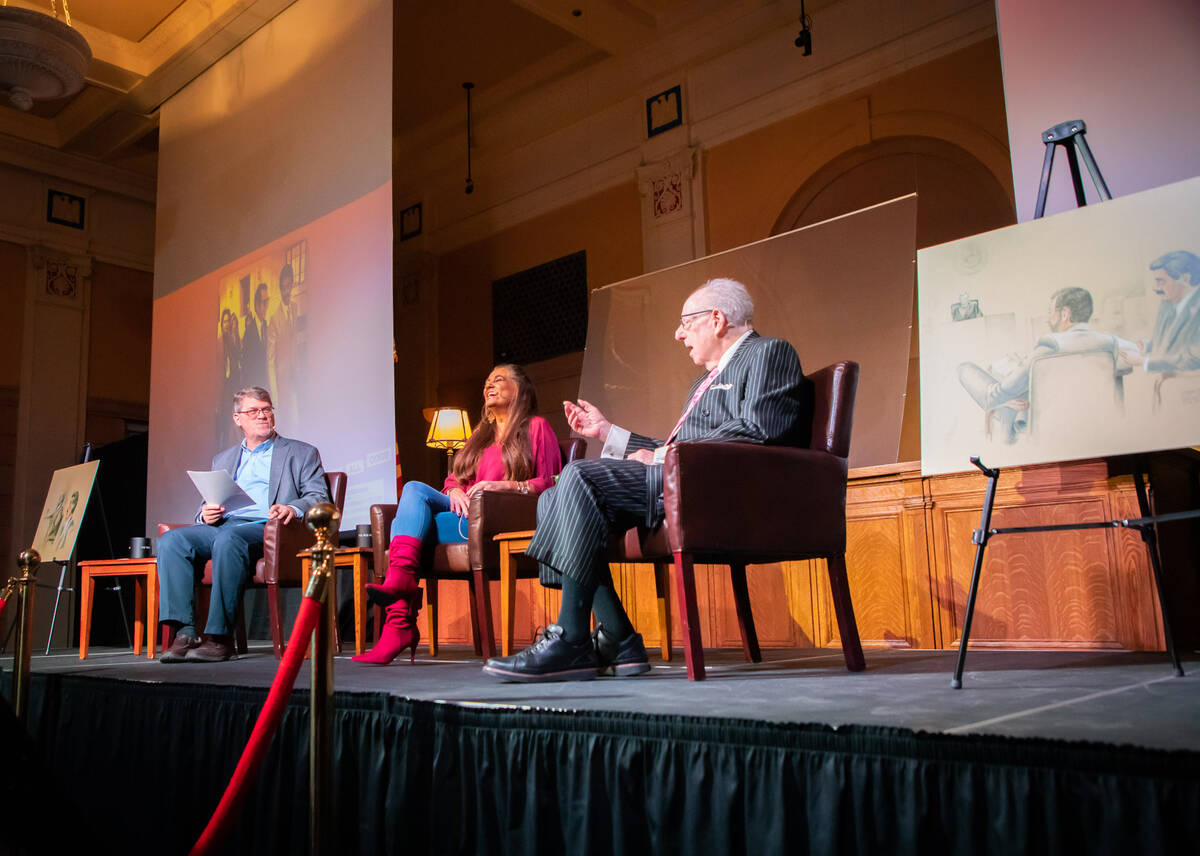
1074,336
66,500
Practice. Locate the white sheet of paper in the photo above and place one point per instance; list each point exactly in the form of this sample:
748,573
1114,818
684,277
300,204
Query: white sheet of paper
219,488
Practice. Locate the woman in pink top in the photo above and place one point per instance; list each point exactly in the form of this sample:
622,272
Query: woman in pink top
510,449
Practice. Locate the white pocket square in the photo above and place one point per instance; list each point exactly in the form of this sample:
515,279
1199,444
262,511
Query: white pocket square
721,386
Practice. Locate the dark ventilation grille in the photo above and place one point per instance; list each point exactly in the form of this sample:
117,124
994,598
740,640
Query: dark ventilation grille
541,312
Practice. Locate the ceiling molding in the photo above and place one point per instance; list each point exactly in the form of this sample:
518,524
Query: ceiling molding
81,170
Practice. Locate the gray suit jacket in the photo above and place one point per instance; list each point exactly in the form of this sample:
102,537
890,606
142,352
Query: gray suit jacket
297,477
759,397
1176,344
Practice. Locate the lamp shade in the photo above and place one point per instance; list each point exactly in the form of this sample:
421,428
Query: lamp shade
449,429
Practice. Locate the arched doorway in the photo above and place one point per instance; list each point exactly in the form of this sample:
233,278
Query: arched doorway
956,196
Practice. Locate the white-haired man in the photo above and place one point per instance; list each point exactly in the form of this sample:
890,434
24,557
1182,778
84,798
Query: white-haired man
751,393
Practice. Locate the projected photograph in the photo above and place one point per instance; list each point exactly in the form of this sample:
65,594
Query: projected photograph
1075,336
261,328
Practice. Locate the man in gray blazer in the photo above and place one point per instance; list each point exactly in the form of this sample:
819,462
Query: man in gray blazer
284,478
752,392
1176,343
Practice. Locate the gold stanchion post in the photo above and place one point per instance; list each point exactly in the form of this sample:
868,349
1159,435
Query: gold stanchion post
323,520
28,562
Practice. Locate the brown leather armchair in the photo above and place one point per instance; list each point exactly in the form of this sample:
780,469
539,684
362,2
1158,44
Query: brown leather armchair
477,560
278,567
737,504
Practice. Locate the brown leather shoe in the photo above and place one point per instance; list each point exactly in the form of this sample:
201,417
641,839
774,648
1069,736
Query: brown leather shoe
212,650
179,649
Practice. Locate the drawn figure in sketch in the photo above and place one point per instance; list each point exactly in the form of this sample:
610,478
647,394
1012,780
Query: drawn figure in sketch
1004,395
281,345
1175,344
67,533
56,517
965,309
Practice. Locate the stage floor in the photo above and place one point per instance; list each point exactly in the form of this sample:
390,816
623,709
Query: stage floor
1111,698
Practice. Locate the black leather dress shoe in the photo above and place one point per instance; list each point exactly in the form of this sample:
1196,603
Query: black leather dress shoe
623,658
179,648
551,658
211,650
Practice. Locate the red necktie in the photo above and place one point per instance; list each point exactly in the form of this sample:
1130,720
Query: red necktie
704,385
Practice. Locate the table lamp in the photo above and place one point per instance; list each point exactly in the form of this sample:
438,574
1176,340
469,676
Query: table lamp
449,429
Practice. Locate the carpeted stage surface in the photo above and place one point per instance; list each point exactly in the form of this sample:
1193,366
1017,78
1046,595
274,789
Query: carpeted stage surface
1118,698
1039,752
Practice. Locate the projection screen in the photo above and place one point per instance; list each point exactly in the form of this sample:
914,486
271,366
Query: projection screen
273,260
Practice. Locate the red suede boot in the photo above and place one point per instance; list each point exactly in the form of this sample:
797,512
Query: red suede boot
404,556
399,632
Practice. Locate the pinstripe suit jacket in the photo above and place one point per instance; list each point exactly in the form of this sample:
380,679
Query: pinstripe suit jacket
757,398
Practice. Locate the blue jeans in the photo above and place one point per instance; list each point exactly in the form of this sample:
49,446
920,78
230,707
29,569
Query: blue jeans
424,513
233,547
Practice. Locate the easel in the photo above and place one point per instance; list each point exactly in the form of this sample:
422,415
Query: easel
1070,136
84,457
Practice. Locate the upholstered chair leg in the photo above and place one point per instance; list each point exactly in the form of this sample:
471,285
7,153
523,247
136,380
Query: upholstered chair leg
431,599
473,615
276,619
839,587
685,589
239,628
741,599
481,589
662,591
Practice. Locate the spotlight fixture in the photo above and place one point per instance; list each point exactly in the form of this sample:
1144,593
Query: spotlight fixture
804,40
470,188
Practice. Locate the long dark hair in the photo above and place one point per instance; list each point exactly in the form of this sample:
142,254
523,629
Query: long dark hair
516,449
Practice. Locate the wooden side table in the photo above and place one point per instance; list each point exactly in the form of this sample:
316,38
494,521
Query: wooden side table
145,610
511,544
360,561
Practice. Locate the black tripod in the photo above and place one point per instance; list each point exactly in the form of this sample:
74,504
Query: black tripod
1069,135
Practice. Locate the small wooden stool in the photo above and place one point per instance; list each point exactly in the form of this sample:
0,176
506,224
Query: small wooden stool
511,544
145,609
360,561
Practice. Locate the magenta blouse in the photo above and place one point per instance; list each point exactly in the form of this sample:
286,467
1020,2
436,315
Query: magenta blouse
547,460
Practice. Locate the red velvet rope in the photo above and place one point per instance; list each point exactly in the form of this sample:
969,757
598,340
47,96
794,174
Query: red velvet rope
264,729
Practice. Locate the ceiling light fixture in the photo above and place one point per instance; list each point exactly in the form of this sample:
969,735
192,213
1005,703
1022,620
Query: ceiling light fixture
470,188
41,57
804,40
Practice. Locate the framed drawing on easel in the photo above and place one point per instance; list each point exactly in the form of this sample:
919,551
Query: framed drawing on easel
66,500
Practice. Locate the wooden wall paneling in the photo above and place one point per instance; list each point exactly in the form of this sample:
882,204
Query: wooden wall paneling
772,595
909,560
635,587
1139,618
1039,589
886,559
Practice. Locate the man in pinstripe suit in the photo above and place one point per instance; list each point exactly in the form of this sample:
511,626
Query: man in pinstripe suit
751,393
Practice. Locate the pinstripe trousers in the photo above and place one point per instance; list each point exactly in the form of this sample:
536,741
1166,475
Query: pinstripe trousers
595,499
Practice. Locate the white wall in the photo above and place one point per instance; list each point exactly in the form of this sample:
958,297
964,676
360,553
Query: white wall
1131,71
